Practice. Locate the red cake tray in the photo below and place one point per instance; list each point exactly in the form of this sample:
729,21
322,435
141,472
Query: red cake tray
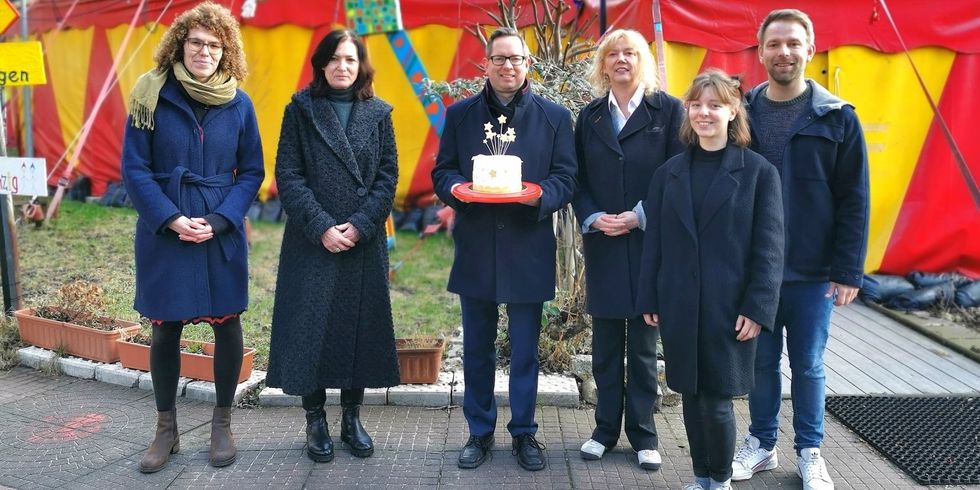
465,193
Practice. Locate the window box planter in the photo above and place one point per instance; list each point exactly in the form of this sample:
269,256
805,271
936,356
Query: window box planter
419,360
198,366
86,342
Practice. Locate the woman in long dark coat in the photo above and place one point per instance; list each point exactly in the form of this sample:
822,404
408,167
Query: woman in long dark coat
711,268
336,170
192,164
621,138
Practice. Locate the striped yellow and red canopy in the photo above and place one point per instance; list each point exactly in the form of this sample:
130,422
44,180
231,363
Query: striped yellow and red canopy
923,217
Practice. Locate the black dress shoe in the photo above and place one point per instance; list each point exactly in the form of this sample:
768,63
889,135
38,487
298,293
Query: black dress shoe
528,451
475,452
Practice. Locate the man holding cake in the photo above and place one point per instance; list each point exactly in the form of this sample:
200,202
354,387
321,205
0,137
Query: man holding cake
505,251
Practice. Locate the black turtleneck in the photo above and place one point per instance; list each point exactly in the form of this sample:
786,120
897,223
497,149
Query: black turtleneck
704,166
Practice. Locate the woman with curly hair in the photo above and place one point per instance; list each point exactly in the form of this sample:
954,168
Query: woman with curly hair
336,169
192,164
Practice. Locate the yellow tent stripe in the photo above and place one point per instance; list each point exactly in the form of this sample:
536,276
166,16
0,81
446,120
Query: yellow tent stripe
139,61
67,54
896,118
276,58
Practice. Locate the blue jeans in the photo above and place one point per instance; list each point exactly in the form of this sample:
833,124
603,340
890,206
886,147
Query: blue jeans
805,313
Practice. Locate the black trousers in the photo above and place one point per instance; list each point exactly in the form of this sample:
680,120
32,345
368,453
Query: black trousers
631,388
710,422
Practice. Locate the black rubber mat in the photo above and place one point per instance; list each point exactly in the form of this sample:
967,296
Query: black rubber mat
935,440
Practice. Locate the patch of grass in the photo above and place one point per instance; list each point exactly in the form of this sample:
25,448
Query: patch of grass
9,342
968,317
420,304
94,243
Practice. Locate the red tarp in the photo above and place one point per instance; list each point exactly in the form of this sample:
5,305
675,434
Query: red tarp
718,26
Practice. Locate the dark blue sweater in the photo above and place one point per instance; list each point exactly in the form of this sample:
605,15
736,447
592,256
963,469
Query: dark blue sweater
824,176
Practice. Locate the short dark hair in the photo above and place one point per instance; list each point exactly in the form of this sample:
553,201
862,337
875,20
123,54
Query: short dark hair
789,15
364,84
503,32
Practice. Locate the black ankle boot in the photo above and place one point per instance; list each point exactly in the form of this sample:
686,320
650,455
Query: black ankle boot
351,431
319,445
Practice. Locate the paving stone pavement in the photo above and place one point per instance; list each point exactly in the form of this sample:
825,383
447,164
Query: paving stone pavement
62,432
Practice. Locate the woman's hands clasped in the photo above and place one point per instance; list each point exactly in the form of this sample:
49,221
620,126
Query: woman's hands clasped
340,238
195,230
616,224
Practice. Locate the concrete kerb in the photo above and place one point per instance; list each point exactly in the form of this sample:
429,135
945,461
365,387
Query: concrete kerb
553,390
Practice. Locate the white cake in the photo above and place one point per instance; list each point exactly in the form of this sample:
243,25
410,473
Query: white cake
497,174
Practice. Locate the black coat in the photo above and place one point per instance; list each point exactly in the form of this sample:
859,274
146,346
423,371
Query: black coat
614,174
506,252
331,323
700,275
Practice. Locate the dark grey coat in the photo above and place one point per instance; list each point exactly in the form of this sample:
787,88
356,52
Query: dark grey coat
699,275
331,324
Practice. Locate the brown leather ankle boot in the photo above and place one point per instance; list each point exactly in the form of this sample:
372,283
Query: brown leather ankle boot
165,442
223,452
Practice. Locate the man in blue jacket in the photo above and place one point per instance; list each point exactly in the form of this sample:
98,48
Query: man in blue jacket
815,141
505,253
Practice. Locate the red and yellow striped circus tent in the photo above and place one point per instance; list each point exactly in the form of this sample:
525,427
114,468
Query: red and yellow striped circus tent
923,215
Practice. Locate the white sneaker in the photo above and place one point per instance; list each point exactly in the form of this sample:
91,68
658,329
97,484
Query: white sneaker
725,485
812,469
751,459
649,459
694,486
592,450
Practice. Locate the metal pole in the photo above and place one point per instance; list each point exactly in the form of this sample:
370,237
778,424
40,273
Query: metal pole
27,93
8,234
658,32
602,18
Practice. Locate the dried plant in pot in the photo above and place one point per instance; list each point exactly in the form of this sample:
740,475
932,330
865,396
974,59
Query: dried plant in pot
419,359
75,323
196,357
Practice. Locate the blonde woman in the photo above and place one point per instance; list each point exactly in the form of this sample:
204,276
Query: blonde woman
621,138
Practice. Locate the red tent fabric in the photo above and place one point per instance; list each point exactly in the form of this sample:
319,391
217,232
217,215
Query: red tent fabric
718,26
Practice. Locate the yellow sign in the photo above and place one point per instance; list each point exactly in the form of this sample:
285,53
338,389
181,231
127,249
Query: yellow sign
8,15
21,63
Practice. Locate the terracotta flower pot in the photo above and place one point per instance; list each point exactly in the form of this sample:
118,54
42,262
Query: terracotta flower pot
419,361
194,366
89,343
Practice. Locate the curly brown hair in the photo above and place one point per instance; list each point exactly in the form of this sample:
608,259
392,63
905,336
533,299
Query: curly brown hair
215,18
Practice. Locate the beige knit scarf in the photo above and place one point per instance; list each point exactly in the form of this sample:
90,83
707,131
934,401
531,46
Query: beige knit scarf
219,89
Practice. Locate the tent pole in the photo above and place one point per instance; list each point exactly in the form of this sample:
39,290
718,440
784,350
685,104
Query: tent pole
8,233
27,93
658,32
602,18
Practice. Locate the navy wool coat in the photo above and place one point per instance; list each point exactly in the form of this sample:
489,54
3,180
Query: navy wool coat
182,168
506,252
331,323
700,274
614,173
